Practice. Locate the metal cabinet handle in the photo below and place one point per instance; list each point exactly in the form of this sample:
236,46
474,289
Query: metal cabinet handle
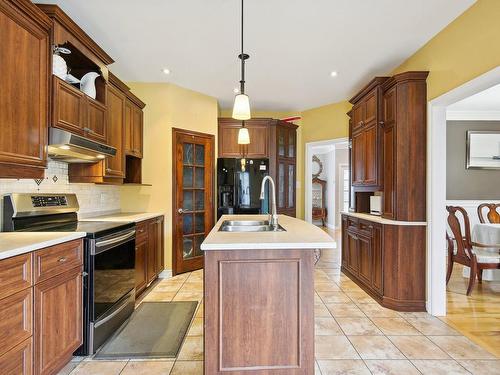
141,230
62,260
180,210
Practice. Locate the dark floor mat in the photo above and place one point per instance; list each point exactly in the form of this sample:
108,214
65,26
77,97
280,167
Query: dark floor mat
155,330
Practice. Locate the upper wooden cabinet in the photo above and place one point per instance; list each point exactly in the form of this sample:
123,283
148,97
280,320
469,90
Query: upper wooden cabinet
258,130
133,127
283,165
404,145
366,131
24,82
115,165
76,112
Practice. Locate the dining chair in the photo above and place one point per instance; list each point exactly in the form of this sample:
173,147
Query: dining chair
493,214
468,253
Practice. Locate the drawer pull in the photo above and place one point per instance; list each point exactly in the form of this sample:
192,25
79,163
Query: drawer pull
62,259
141,230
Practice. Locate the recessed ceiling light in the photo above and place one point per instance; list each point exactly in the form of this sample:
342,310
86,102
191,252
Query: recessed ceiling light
236,90
333,74
166,71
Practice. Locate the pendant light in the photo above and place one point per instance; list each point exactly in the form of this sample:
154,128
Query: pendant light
241,108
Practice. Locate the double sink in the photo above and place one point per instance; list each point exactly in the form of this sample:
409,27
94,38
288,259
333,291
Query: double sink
249,226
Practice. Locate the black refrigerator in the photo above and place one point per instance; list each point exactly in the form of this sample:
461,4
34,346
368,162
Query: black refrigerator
238,186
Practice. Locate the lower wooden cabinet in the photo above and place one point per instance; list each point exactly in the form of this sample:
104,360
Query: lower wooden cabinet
41,321
148,252
58,320
18,361
386,260
141,276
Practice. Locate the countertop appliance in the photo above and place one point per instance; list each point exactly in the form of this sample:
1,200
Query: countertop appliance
376,205
238,186
109,258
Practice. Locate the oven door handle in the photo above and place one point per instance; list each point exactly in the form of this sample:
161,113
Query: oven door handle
115,240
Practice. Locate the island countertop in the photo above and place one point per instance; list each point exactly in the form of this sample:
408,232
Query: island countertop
298,234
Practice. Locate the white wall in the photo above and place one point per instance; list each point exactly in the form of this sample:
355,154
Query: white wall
93,199
341,157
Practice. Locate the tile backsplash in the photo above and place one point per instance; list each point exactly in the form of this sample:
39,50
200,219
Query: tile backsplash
91,197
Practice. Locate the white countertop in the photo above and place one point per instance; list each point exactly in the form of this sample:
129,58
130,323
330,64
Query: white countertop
381,220
16,243
298,235
127,217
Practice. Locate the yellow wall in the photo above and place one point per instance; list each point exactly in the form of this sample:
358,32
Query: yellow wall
468,47
319,124
167,106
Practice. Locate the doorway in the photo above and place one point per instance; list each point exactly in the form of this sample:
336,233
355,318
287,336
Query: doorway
436,186
192,197
322,190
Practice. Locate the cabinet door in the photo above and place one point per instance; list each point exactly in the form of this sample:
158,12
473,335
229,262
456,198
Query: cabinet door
58,320
358,158
292,143
137,131
159,245
345,243
370,104
365,259
371,155
15,319
352,255
389,146
129,129
152,250
358,116
259,140
18,361
68,111
281,137
377,280
290,186
115,165
24,82
141,276
96,120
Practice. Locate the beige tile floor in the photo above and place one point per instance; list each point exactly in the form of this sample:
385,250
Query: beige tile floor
354,335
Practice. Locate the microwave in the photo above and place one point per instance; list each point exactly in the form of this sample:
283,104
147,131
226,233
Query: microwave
376,205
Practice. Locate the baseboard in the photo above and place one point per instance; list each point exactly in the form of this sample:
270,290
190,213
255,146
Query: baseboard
165,274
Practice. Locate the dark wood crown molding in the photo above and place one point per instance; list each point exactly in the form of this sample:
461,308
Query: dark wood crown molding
405,77
56,13
365,90
33,12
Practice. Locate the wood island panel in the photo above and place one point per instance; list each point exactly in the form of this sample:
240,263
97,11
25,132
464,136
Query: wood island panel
259,316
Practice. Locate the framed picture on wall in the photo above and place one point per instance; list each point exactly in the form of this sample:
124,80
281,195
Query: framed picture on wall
483,149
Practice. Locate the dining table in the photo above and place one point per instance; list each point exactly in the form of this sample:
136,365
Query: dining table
486,234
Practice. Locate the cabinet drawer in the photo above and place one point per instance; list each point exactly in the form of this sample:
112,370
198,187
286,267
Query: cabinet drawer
16,323
365,227
141,231
18,360
55,260
15,274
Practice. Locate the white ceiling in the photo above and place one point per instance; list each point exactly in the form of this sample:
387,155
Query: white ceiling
487,100
293,44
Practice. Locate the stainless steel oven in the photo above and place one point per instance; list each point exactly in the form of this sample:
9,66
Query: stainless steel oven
109,289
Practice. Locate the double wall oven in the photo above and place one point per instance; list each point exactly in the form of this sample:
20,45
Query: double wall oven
109,258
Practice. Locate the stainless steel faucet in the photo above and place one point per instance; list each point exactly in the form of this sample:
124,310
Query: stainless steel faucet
273,216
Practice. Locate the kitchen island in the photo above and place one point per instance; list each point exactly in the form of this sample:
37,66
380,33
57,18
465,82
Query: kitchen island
259,296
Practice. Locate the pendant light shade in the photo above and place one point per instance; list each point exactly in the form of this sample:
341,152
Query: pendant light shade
243,136
241,108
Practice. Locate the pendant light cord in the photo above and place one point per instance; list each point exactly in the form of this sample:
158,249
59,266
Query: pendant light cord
242,56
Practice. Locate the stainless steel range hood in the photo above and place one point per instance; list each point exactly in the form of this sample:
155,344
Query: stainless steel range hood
70,148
